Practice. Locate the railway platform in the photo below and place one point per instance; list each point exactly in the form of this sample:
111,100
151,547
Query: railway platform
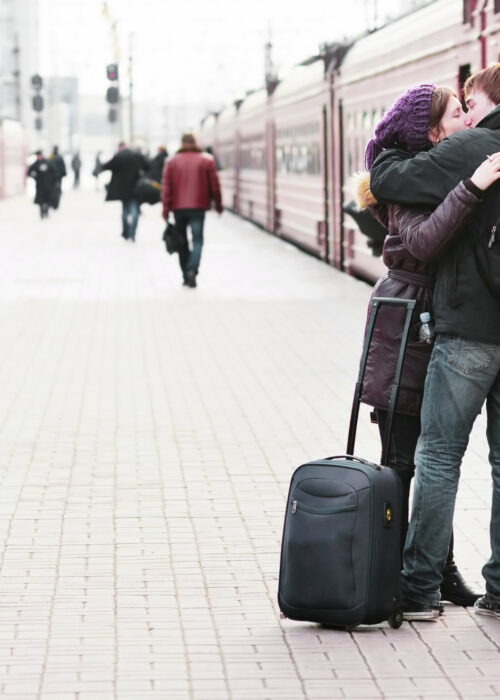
148,433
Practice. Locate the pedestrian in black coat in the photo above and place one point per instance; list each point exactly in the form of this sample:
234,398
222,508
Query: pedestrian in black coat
126,167
43,174
157,163
59,167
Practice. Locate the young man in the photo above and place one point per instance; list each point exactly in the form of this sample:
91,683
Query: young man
464,370
189,185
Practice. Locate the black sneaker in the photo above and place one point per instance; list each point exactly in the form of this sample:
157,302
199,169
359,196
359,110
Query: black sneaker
413,611
486,606
456,591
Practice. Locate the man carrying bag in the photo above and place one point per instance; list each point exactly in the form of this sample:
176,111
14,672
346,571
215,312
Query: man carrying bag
189,186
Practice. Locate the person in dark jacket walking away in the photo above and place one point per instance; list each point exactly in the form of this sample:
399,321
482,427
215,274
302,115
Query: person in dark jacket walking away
126,167
43,174
189,185
464,370
76,164
59,167
421,117
157,164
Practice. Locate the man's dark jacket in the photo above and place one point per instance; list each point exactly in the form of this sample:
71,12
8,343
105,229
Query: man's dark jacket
464,303
126,167
58,165
156,165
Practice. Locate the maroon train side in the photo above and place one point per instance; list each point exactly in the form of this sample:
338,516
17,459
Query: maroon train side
288,157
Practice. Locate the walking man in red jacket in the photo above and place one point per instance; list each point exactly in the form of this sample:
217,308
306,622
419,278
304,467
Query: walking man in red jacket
189,185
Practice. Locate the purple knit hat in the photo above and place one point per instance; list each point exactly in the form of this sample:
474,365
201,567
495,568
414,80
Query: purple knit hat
405,125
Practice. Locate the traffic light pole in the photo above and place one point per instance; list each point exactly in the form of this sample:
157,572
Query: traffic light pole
130,90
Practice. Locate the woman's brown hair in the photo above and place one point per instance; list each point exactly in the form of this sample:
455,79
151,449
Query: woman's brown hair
439,103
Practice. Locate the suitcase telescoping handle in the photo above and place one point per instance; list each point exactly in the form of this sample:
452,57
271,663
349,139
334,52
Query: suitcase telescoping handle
355,459
376,303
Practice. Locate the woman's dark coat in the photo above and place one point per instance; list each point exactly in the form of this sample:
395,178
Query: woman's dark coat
415,240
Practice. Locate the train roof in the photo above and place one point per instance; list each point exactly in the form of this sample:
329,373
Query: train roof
406,39
227,113
300,79
209,121
254,101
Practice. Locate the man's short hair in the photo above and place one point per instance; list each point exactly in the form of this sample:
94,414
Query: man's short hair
487,81
188,139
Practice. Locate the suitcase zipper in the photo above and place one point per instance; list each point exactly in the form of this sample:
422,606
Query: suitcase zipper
321,511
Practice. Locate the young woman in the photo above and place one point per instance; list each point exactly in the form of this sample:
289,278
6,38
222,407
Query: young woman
420,118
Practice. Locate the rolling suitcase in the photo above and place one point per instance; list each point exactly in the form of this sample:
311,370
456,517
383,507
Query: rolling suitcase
340,554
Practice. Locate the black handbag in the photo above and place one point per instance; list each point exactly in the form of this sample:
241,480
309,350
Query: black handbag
172,238
147,191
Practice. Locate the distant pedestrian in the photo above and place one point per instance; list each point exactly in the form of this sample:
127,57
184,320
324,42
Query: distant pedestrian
43,174
189,185
76,165
126,167
97,168
157,164
210,151
59,166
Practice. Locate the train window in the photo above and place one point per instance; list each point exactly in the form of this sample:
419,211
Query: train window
366,120
497,5
349,122
374,118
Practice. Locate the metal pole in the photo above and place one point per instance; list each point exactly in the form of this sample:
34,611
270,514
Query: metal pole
17,78
130,90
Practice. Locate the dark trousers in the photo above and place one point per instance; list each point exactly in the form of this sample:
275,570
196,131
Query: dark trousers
189,260
405,433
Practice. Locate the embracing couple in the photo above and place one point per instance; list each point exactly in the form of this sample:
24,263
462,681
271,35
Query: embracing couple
432,174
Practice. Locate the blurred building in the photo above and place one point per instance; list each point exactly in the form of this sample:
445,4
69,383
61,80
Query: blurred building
19,60
62,113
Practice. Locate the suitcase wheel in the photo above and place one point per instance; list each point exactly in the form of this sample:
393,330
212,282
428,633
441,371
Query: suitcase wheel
396,618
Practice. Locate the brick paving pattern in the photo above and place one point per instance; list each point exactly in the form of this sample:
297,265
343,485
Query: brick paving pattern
148,434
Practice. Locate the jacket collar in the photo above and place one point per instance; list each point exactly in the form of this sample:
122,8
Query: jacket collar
491,120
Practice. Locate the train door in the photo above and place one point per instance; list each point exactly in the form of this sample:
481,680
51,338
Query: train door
324,225
336,229
271,176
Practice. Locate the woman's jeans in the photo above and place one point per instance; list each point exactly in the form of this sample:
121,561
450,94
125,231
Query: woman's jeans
461,375
401,456
189,260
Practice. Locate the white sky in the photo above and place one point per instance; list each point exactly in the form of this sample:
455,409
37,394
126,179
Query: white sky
208,51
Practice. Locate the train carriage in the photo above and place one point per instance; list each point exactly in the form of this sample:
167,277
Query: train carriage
433,44
288,157
208,132
253,159
226,148
299,114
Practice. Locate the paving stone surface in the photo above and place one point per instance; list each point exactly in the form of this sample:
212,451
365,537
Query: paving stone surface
148,433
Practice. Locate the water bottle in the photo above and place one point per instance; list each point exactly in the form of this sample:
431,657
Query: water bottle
426,330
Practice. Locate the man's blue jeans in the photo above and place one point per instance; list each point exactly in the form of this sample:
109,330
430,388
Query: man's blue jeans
189,260
461,375
130,214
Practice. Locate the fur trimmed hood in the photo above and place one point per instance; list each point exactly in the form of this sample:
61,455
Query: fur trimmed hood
362,192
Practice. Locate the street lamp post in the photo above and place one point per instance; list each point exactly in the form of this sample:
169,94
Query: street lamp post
131,90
